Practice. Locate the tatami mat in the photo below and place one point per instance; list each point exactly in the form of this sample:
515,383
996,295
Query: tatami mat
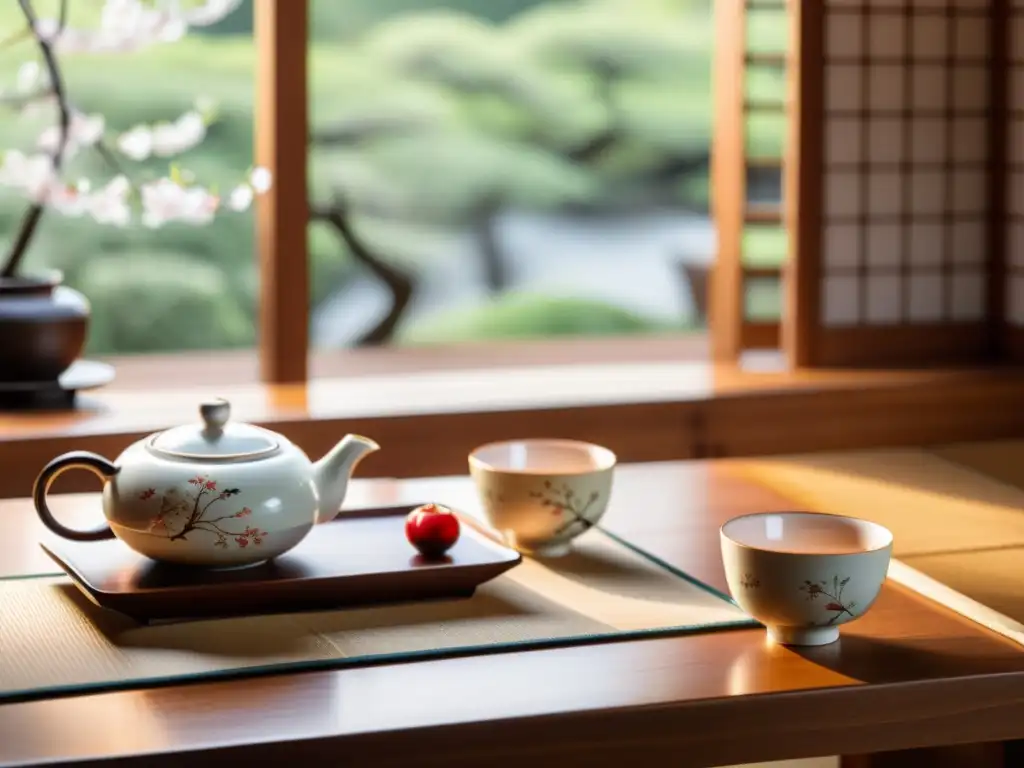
1001,460
931,504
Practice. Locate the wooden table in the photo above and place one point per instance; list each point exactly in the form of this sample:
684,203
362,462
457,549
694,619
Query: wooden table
910,674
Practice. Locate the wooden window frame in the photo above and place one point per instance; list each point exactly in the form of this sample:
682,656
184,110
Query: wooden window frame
281,134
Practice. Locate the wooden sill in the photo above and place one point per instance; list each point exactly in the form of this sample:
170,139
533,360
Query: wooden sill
230,367
644,410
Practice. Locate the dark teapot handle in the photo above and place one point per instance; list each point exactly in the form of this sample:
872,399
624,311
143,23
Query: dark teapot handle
92,462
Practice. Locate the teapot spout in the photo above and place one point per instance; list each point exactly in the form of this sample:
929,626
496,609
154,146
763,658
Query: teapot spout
331,474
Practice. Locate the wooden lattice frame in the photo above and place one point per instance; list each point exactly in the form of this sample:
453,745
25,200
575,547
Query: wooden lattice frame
732,330
808,339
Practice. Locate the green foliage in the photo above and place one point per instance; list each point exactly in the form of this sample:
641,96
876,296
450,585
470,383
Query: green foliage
765,245
531,316
767,30
592,38
762,300
484,168
161,301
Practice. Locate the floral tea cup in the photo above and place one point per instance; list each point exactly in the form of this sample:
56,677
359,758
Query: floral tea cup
540,494
802,574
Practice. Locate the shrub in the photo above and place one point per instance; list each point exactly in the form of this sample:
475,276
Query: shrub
154,302
530,316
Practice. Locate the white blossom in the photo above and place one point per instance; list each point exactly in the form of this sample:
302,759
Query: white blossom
83,131
32,174
67,200
29,77
163,139
240,198
136,143
109,204
181,135
260,179
166,201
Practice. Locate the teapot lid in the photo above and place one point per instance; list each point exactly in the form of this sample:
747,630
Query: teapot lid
215,439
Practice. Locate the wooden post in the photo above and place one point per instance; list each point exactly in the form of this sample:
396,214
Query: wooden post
728,181
282,215
803,184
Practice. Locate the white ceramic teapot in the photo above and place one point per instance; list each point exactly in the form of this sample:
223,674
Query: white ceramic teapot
216,494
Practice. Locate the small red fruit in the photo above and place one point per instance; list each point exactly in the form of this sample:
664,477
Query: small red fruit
432,529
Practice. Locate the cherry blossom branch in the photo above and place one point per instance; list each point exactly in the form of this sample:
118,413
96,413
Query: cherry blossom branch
109,157
34,214
125,25
212,529
222,517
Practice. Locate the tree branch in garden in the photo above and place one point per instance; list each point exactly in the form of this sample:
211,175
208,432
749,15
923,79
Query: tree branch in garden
483,224
354,132
613,134
34,214
397,282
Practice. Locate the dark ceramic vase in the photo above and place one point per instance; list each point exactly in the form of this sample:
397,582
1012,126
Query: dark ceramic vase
43,326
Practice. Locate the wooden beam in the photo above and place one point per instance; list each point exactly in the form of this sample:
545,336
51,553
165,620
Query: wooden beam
764,213
281,131
428,423
767,60
758,335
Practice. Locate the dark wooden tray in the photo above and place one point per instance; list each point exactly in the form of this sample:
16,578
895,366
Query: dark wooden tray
361,558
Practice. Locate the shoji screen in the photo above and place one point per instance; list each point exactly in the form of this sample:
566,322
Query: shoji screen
1014,273
893,188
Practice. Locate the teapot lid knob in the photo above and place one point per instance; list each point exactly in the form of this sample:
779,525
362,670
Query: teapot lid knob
215,415
216,439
